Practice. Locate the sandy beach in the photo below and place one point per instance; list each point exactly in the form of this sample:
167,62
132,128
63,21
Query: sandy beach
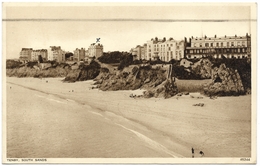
49,118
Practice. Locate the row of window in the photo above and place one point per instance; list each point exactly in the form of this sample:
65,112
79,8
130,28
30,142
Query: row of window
221,44
237,50
167,45
162,49
219,56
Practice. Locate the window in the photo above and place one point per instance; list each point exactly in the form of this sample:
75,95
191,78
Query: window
227,44
232,43
171,53
200,44
217,44
221,44
176,52
171,45
200,50
206,44
169,48
211,44
191,51
243,43
238,50
238,43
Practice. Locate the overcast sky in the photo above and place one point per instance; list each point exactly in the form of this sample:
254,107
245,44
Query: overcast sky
119,27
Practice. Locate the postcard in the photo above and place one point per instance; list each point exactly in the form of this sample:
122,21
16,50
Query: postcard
129,83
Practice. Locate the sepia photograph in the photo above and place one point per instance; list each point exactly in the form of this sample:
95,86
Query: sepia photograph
129,83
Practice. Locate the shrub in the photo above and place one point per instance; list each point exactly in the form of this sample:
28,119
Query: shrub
11,64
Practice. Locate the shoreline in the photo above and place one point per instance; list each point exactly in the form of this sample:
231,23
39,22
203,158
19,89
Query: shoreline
165,121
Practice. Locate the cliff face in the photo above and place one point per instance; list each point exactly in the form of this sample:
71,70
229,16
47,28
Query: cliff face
83,72
225,82
35,71
134,77
80,73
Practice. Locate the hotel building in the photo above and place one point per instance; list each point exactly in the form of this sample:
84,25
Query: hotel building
79,54
219,47
36,53
55,53
26,54
165,50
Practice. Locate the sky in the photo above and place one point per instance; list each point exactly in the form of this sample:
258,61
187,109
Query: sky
120,26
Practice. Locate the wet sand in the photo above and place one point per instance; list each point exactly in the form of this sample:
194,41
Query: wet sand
56,119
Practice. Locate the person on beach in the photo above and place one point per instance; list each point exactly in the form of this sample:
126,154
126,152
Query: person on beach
201,153
192,151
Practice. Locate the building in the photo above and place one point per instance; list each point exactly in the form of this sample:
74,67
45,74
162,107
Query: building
165,50
144,52
26,54
139,52
55,53
219,47
41,52
133,51
79,54
95,50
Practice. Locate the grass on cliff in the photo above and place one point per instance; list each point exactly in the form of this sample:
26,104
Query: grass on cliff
191,85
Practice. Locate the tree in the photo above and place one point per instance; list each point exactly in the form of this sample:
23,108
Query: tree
68,55
125,61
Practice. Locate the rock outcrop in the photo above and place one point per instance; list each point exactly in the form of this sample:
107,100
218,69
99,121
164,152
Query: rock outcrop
166,90
225,82
154,80
202,68
83,72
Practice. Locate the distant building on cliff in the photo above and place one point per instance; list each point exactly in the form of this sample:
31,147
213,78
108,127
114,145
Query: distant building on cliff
79,54
40,52
139,52
94,51
55,53
165,50
26,54
219,47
